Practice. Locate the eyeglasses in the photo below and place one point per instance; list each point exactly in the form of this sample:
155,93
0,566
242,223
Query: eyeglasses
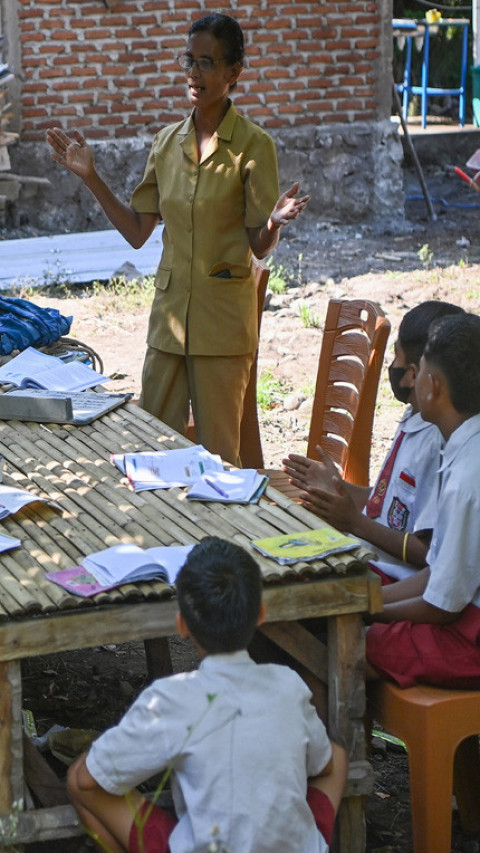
204,64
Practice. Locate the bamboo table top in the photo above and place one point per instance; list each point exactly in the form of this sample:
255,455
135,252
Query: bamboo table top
95,508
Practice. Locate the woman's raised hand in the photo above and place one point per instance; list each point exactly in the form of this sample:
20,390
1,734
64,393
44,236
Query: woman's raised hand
71,151
288,206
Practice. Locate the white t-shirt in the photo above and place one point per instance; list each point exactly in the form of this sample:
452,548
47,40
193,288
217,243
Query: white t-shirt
454,555
411,496
242,737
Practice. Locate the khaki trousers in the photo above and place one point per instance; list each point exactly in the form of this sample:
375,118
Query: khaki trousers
215,386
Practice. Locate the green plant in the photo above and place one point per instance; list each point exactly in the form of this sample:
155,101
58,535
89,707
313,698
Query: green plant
474,293
56,277
127,293
426,255
22,288
308,318
308,388
269,389
277,281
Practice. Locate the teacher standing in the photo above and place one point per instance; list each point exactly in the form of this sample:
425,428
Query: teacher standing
212,180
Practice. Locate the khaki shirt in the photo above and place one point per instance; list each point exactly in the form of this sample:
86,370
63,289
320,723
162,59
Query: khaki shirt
205,301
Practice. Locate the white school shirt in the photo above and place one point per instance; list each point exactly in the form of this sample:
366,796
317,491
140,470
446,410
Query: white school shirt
243,738
410,499
454,555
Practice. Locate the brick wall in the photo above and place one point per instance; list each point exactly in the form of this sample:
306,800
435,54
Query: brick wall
112,73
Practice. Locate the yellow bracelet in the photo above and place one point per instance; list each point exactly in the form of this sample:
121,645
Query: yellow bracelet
405,543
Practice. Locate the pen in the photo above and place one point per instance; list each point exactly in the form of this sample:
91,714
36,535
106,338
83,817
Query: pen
215,487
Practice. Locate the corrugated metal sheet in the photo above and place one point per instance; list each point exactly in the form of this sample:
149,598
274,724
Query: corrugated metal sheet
79,258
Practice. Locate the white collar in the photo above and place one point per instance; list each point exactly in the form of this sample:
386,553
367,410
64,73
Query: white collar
458,439
218,662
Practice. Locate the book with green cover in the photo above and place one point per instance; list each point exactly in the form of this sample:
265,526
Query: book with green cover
305,545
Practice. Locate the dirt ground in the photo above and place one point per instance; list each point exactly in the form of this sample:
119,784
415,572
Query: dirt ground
399,264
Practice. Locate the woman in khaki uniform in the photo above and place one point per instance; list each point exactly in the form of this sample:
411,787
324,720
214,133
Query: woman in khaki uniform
212,179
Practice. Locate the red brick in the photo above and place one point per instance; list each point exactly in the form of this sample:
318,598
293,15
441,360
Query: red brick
98,33
306,59
110,120
297,10
124,34
95,133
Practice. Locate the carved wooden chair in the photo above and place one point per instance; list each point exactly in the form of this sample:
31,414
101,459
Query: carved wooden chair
351,358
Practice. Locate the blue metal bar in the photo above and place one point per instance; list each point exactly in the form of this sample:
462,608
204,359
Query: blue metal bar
463,80
425,64
407,77
424,90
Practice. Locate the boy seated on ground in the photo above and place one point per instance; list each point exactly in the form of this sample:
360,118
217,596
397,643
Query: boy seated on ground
398,515
431,621
241,738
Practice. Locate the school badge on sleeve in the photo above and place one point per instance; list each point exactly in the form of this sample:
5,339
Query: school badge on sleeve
398,514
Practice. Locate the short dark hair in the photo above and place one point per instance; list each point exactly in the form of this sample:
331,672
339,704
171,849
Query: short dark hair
413,330
453,346
225,29
219,591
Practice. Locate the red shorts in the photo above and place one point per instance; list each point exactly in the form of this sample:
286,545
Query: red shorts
323,812
443,655
158,825
153,825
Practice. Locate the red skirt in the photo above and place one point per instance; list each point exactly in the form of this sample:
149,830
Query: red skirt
443,655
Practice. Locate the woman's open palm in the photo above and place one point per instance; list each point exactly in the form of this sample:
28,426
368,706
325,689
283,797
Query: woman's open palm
71,151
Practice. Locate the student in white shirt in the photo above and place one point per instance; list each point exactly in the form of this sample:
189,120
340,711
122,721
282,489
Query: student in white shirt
242,739
398,515
429,628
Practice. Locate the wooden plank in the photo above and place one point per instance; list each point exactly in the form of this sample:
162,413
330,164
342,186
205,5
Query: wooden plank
82,629
300,644
375,602
316,598
350,834
346,709
145,620
11,752
157,654
41,779
46,825
360,782
346,694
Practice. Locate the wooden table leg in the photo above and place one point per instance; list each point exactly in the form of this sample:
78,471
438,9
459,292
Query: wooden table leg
159,661
346,709
11,749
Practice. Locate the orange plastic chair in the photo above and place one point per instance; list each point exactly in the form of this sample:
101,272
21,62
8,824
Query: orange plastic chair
440,728
351,358
250,443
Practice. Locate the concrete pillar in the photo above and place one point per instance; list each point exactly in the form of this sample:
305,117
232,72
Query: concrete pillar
9,27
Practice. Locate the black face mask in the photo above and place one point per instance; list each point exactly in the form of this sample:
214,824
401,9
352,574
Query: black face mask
396,374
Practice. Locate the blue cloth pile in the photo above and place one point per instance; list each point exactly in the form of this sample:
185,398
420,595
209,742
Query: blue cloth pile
24,324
